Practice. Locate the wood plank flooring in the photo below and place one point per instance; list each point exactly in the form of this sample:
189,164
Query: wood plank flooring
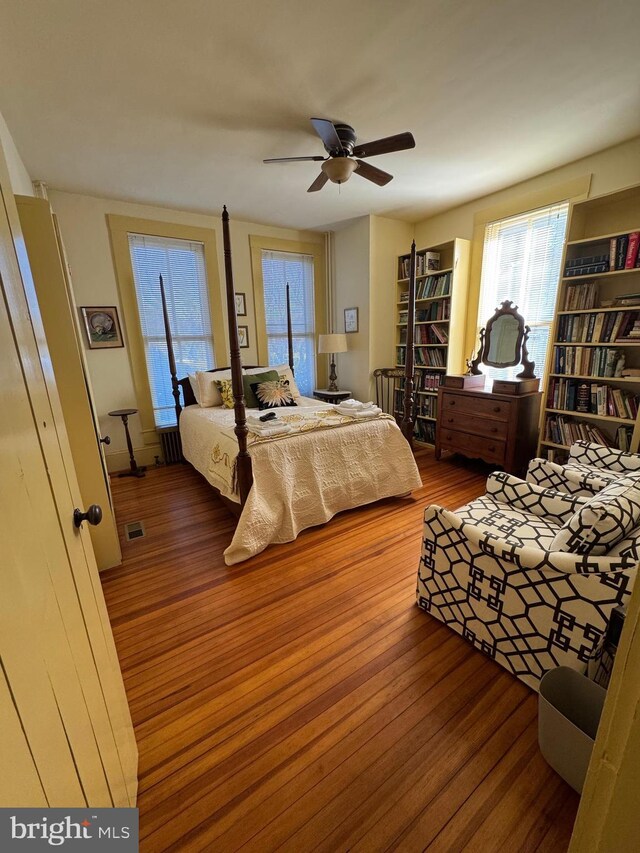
300,701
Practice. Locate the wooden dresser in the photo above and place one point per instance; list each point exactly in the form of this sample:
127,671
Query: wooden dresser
499,428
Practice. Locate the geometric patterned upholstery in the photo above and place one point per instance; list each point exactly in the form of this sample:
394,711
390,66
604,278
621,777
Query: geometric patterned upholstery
603,520
486,572
586,453
575,479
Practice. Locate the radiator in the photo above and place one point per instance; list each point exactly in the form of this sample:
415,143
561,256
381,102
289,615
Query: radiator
171,445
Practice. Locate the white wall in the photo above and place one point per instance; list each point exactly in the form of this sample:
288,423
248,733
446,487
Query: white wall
86,237
18,175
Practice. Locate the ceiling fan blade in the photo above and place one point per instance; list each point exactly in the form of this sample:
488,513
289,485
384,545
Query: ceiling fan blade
371,173
399,142
327,133
319,182
293,159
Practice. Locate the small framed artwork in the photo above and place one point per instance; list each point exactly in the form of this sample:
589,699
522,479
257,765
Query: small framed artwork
102,327
243,337
241,305
351,320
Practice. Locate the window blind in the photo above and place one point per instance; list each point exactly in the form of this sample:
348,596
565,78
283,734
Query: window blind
521,262
278,269
181,264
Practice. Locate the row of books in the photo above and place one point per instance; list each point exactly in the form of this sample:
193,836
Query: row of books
428,407
431,357
591,398
440,310
602,327
623,251
591,265
560,430
430,381
427,335
425,262
587,361
578,297
425,431
434,285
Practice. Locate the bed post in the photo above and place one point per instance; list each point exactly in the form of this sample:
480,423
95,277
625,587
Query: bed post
289,332
175,388
243,460
407,420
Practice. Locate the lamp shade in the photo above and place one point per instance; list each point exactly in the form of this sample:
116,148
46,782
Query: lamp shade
339,169
332,343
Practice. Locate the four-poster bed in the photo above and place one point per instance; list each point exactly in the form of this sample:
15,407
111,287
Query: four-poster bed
293,481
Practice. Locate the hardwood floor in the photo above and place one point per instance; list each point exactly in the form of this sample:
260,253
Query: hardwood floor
301,701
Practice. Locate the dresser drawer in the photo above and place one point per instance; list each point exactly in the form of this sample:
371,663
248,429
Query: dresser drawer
473,446
498,409
474,425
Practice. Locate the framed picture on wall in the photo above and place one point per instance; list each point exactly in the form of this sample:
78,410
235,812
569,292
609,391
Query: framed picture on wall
241,305
243,337
102,327
351,320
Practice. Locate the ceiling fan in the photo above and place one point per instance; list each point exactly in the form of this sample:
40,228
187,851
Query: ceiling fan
345,156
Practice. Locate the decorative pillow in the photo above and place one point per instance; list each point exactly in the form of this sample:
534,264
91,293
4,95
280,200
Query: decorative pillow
603,520
193,381
284,372
250,379
225,390
208,393
273,394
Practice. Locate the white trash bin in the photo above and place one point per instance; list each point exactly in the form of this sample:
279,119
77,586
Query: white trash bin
569,710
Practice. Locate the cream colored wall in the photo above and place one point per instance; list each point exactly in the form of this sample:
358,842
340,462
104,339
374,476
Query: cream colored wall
351,290
84,231
389,238
606,171
18,175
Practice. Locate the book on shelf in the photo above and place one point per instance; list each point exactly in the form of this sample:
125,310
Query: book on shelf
622,244
627,299
433,286
430,357
632,250
585,397
430,381
560,430
592,265
600,327
587,361
579,297
624,435
425,262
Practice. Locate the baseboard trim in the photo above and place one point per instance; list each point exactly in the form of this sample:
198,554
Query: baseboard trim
119,461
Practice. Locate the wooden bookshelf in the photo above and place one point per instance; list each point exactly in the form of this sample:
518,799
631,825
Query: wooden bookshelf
589,335
440,312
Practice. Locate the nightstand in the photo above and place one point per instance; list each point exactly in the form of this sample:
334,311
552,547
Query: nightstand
331,396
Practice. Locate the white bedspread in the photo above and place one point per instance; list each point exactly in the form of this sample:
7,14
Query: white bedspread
302,479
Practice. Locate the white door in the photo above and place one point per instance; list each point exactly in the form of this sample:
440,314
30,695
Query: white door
66,737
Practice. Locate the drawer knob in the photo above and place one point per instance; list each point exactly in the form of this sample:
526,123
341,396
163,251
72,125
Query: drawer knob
494,429
452,402
450,420
492,447
496,408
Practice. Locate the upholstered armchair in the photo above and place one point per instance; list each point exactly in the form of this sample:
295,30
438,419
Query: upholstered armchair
589,468
488,571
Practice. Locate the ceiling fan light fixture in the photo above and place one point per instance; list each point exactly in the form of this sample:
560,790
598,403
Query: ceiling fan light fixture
339,169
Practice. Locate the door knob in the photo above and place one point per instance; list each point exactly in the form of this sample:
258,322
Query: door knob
93,515
105,440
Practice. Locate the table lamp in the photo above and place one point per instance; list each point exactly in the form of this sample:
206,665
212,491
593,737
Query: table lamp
332,344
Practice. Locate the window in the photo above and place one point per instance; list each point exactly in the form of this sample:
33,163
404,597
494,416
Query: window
278,270
521,262
182,266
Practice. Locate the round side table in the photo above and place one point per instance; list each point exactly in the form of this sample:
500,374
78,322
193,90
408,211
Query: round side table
135,469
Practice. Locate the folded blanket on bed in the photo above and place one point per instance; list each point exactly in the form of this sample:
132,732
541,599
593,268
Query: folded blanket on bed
355,405
369,411
269,428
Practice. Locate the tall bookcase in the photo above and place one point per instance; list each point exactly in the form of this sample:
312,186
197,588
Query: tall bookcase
596,330
441,304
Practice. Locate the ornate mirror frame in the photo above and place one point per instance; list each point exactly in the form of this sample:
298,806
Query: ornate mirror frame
521,355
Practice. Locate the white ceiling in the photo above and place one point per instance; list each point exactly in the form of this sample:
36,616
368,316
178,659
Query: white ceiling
176,103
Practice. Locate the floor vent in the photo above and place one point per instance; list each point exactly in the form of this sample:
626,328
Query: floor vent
135,530
171,445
